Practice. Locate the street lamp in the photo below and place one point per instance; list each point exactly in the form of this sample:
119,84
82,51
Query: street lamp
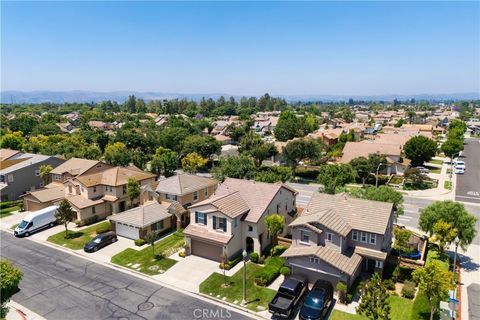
244,254
456,241
376,176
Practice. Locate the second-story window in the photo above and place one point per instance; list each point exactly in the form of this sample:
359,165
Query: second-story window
373,238
355,235
304,236
314,260
69,189
328,237
201,218
94,189
195,196
278,208
222,224
363,237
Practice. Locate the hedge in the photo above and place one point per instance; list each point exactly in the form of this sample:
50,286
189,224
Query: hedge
269,272
104,229
9,204
231,263
139,242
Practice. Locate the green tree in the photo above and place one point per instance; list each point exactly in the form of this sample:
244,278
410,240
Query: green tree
13,140
150,238
435,282
287,126
133,190
453,213
402,242
300,150
45,170
64,214
382,193
165,161
420,149
274,223
240,167
193,161
452,147
252,144
204,146
362,167
333,176
443,234
374,301
117,154
10,277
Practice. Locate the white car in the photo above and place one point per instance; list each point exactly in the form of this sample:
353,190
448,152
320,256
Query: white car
459,170
459,164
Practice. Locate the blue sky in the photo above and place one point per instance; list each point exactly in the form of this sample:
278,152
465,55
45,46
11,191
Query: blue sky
357,48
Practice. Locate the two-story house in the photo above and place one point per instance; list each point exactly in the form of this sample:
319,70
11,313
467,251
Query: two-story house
337,237
54,191
233,219
186,189
20,172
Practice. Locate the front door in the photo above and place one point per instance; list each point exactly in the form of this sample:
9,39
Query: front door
121,206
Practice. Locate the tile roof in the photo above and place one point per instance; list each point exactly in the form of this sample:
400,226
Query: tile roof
358,214
7,153
116,176
346,263
49,193
142,216
231,204
327,218
182,184
75,166
369,253
354,150
82,202
200,232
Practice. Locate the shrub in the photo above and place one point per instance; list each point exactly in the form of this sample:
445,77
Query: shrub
269,272
408,290
104,229
182,254
231,263
349,297
278,250
285,270
139,242
261,260
78,223
268,250
389,284
254,257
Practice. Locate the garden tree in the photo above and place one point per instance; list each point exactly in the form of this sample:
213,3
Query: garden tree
101,140
204,146
64,214
273,174
362,167
46,128
140,159
274,223
457,124
452,146
301,149
150,238
140,106
10,277
400,123
420,149
45,170
240,167
341,288
435,282
172,138
24,122
12,140
130,105
443,234
252,144
453,213
308,123
332,176
193,161
382,193
165,161
116,154
376,159
287,126
91,152
374,300
414,177
133,190
455,134
402,242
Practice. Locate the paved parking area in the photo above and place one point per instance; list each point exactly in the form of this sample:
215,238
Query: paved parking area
468,184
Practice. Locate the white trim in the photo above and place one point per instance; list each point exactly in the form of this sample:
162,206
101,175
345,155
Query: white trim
313,269
366,236
356,233
374,237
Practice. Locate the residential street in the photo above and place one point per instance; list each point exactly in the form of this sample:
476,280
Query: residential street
468,184
58,285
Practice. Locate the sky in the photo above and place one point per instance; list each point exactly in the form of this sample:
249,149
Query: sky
242,48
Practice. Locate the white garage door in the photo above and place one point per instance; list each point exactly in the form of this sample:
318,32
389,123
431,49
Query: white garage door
126,231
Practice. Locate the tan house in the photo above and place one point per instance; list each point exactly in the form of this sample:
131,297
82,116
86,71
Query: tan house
185,189
337,237
233,219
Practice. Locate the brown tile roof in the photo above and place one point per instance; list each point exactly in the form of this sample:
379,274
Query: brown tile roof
346,263
327,218
4,164
7,153
49,193
369,253
82,202
116,176
354,150
182,184
359,214
231,204
75,166
199,232
142,216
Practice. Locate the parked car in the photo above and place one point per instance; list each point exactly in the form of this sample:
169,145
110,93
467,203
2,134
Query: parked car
414,255
318,301
459,170
287,298
422,170
35,221
459,164
100,241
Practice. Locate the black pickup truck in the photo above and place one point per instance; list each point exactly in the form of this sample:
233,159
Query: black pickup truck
287,298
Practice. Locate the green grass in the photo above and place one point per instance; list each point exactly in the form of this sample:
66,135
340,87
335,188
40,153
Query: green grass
434,169
8,211
256,296
77,239
447,185
421,308
435,254
435,161
340,315
400,309
145,259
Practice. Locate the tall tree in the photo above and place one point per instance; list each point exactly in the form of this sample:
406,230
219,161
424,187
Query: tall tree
64,214
45,170
192,162
117,154
133,190
420,149
363,168
333,176
402,242
12,140
239,167
373,303
165,161
434,281
287,126
382,193
274,224
452,147
443,234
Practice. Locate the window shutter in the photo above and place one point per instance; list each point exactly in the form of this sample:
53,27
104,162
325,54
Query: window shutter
214,222
196,217
224,226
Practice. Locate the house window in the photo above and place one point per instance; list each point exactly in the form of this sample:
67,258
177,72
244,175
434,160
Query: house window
10,178
363,237
304,236
329,237
222,224
373,238
94,189
278,208
37,172
378,264
57,177
195,196
93,210
157,226
355,235
206,192
201,218
314,260
235,222
285,207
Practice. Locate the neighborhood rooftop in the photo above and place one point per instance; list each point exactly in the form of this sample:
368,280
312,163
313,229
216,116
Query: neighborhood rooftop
114,177
75,166
182,184
143,215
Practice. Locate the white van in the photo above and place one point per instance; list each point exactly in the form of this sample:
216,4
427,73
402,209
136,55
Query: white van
35,221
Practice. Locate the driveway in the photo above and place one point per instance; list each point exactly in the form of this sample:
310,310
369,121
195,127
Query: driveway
189,272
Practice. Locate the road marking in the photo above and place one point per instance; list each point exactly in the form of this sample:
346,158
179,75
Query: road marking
476,198
404,218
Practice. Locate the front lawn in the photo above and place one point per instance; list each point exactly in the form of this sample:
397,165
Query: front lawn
447,185
76,240
400,309
434,169
256,296
144,261
8,211
436,161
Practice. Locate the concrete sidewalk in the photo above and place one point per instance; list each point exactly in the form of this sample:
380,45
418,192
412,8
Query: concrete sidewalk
19,312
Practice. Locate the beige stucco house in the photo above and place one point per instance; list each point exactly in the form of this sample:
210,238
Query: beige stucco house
233,218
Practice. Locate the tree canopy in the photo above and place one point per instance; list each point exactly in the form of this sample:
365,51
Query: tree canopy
420,149
333,176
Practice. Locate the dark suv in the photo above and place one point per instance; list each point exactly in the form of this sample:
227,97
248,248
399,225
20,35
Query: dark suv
318,301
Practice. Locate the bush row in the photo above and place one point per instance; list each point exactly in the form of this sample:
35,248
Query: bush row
231,263
9,204
269,272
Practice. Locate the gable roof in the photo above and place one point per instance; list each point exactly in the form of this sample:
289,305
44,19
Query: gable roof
231,204
75,166
116,176
256,195
7,153
20,161
184,183
341,212
48,193
142,216
327,218
354,150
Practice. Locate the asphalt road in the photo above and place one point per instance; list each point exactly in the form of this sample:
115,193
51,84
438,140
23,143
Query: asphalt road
468,184
58,285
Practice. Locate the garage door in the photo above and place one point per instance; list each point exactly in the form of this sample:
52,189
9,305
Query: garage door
126,231
206,250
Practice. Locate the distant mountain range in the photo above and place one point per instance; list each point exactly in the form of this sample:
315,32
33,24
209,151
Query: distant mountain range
120,96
